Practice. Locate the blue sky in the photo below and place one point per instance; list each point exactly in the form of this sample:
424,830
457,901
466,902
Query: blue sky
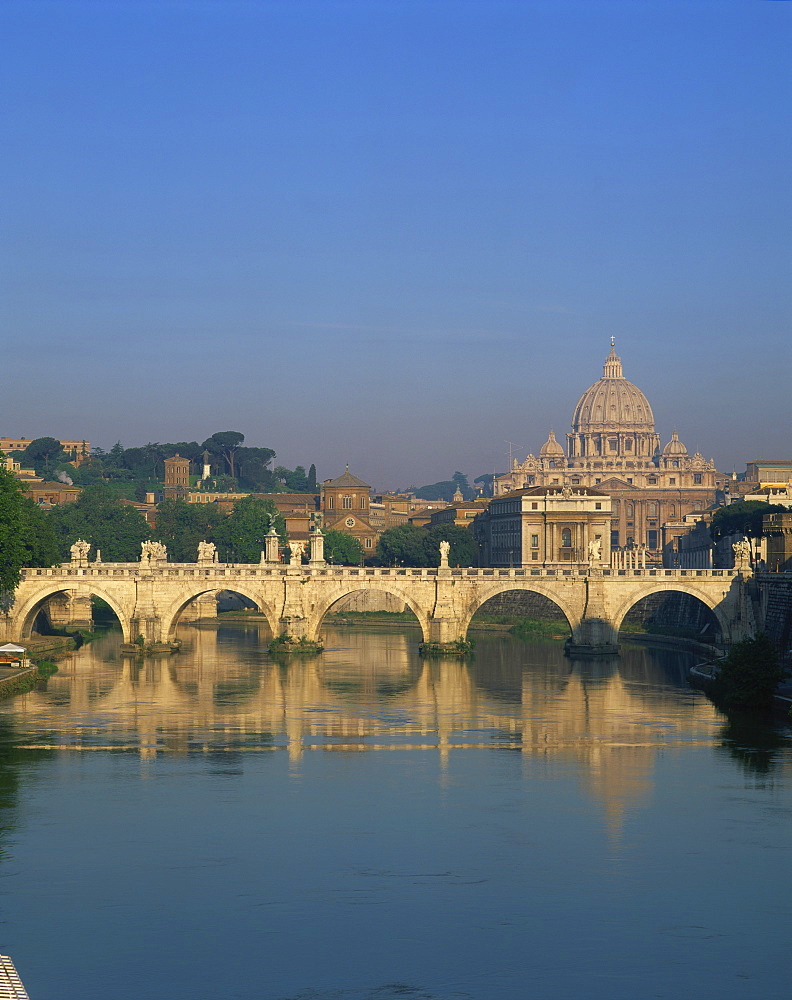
395,234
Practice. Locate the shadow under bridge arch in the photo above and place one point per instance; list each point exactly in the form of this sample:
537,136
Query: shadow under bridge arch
382,602
535,609
673,609
205,601
74,605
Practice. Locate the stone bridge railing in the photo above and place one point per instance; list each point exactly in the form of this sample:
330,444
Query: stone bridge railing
149,599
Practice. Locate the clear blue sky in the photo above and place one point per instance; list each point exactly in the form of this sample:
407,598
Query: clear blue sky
395,234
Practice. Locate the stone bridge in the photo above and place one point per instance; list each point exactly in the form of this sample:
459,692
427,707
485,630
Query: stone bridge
150,598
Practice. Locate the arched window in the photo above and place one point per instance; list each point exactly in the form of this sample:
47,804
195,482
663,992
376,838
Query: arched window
362,503
566,537
672,510
346,503
652,508
630,510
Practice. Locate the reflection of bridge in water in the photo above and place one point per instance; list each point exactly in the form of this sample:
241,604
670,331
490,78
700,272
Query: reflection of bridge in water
150,599
371,691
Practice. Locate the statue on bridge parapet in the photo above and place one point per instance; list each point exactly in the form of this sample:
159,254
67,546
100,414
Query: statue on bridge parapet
296,549
79,552
742,555
207,552
152,553
595,550
445,548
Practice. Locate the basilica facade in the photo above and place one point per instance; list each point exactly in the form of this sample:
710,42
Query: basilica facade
613,447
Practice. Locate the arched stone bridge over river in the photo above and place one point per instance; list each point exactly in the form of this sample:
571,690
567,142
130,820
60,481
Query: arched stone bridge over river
149,598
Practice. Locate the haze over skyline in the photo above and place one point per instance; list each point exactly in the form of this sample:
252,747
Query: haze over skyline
395,235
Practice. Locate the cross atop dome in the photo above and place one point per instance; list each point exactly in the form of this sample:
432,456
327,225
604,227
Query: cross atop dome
613,366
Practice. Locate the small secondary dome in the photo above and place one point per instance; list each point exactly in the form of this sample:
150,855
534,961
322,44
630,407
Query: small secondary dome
675,446
551,448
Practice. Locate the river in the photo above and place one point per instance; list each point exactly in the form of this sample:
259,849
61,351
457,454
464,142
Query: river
368,825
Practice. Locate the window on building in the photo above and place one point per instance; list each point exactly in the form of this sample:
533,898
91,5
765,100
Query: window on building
330,502
534,541
651,508
672,481
614,537
628,445
630,510
613,444
672,510
652,480
362,503
597,506
534,506
566,537
346,503
629,479
576,481
597,480
697,478
368,543
651,538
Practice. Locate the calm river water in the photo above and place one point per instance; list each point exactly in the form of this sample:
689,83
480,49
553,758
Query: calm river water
370,825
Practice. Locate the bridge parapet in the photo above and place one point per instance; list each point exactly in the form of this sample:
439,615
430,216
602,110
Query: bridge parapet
149,600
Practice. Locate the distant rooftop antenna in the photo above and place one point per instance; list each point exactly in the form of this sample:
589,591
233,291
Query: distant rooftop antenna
512,445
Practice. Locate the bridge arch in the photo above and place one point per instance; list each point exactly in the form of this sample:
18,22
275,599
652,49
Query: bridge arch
174,610
711,603
494,589
25,616
345,589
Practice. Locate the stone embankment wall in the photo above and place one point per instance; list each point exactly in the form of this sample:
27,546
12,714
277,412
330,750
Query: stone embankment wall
778,615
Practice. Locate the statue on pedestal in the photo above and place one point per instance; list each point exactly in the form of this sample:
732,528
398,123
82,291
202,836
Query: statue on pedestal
445,548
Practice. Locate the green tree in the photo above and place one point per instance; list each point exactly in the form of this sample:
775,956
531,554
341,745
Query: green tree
13,551
240,537
253,471
446,489
342,549
98,517
748,677
225,444
312,479
463,551
181,526
297,481
42,454
742,518
403,545
38,536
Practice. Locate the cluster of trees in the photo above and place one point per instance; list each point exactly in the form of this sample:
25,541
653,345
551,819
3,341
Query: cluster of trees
26,536
446,489
408,545
742,518
30,536
132,472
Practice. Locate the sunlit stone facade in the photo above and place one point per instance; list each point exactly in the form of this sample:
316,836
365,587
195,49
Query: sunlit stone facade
614,448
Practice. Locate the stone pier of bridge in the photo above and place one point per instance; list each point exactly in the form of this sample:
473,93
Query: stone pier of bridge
150,599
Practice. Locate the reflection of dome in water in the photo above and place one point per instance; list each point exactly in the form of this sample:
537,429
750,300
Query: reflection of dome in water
612,402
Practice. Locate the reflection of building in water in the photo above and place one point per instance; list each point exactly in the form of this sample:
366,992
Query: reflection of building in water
370,690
